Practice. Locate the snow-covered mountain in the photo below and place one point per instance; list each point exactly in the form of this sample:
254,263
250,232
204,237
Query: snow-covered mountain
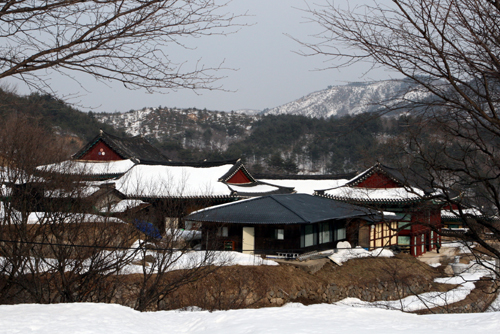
249,112
349,99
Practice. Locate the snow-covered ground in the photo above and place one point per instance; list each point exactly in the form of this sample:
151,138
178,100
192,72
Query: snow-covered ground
177,261
348,316
291,318
424,300
190,260
345,254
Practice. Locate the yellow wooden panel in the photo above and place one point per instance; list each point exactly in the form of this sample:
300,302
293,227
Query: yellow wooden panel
248,240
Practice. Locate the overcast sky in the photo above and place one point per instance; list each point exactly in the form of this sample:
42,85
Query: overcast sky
269,72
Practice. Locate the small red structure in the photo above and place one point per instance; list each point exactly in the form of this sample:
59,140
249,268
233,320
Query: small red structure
106,147
101,152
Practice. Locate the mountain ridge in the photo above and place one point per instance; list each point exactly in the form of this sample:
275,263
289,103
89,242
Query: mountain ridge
349,99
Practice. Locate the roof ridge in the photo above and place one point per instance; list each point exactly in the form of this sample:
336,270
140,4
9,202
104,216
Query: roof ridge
378,167
290,209
137,147
237,166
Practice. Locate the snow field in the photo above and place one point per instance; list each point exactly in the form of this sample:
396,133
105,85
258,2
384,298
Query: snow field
89,318
348,316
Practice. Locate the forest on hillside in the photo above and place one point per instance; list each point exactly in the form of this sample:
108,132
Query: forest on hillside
292,144
54,115
278,144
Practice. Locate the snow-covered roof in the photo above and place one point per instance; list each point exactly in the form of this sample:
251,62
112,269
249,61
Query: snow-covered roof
455,214
5,191
254,189
62,217
75,167
2,210
159,181
129,147
16,176
124,205
307,186
82,191
402,194
360,176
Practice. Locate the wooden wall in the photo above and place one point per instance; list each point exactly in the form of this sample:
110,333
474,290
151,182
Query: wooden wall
101,152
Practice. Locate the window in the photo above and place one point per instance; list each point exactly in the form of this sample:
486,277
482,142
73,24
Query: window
229,245
405,222
279,234
404,225
403,241
340,233
223,231
325,233
308,236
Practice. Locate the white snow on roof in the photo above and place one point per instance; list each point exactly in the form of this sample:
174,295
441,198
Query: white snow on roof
221,205
456,213
373,194
390,215
307,186
5,191
259,188
16,176
76,167
79,192
124,205
58,217
359,175
173,181
2,211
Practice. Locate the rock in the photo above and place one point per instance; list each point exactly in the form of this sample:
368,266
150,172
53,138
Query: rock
277,301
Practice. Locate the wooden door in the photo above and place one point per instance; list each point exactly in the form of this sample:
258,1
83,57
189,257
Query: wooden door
364,236
248,240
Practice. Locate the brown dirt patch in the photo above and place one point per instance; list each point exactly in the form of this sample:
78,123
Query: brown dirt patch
263,286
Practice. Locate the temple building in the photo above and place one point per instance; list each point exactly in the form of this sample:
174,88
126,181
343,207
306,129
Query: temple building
417,209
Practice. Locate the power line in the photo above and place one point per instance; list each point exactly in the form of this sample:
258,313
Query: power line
195,250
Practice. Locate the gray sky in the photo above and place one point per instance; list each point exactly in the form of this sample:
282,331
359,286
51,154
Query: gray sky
269,72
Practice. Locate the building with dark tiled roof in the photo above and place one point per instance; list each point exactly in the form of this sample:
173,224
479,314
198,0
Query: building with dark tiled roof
288,223
135,169
106,147
417,207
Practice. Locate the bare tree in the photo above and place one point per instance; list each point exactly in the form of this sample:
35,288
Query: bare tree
111,40
450,52
61,242
52,249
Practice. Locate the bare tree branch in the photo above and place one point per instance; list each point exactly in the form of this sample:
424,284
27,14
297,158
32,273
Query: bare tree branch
450,50
111,40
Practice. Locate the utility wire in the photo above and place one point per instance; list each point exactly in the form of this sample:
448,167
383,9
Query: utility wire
186,249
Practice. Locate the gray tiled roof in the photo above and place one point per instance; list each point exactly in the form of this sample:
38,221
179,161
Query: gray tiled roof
282,209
